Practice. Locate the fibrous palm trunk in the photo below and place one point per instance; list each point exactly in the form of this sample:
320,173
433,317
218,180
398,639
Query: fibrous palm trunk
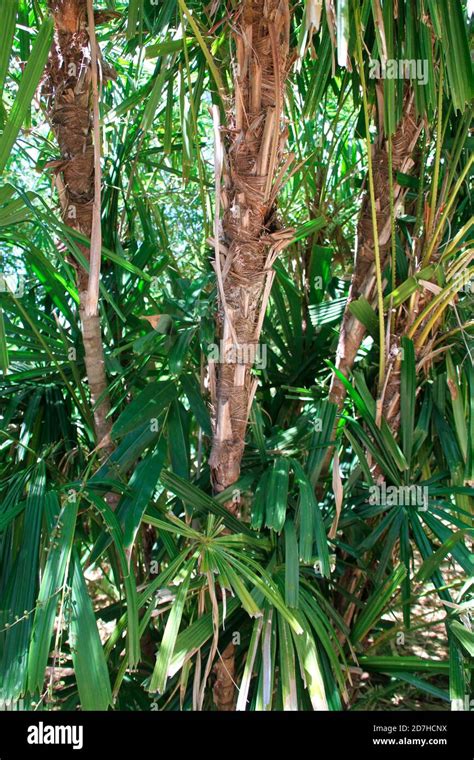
68,84
363,282
251,240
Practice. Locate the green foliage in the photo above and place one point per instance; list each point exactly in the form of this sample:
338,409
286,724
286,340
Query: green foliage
315,576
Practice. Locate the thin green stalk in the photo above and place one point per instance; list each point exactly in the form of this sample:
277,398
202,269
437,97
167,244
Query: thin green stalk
337,137
206,52
459,141
457,240
421,194
293,124
445,214
439,142
391,318
443,295
378,265
194,115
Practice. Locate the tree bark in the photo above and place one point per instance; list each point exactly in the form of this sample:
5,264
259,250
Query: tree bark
68,87
252,238
363,278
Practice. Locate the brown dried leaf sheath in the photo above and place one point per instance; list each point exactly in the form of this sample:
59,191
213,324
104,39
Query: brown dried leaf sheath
254,144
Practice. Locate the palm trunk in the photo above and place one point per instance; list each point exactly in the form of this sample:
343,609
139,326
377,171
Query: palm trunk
252,239
363,279
68,84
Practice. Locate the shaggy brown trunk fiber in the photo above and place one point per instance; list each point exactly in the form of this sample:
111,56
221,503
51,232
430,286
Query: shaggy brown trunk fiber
363,281
253,171
363,278
68,86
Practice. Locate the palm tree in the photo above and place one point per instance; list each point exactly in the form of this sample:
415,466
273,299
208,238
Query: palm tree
370,235
401,114
401,117
69,86
252,235
251,240
257,566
